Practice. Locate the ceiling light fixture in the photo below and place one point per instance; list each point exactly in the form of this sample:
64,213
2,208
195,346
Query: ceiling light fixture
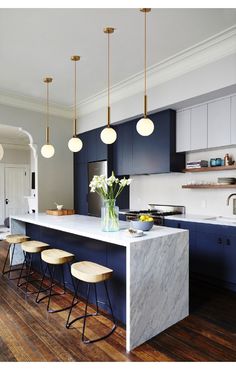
108,134
1,152
145,126
47,149
75,144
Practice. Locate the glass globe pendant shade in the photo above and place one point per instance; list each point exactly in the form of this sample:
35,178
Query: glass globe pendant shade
145,127
47,151
75,144
108,135
1,152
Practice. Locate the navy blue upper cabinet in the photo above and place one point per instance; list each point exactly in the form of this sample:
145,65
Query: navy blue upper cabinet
123,148
136,155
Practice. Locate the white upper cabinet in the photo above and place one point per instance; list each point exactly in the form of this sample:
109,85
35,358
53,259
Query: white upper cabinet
233,120
209,125
183,131
219,123
198,135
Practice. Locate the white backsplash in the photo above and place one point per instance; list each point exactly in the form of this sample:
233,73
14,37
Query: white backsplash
166,188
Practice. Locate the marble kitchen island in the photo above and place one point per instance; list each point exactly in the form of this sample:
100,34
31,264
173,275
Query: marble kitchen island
150,286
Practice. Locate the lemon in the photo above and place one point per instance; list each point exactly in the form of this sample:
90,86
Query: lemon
142,218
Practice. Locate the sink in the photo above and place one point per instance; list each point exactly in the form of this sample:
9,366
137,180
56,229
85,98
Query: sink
222,219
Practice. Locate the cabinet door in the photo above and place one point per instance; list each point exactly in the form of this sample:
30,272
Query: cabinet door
219,123
101,148
233,120
123,149
183,130
199,127
81,156
151,154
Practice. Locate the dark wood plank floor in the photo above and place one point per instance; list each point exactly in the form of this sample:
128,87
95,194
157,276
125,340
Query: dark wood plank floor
29,333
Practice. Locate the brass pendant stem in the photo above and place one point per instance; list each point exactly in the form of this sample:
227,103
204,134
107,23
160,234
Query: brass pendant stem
145,106
108,79
108,116
145,53
47,135
75,58
108,31
47,80
74,127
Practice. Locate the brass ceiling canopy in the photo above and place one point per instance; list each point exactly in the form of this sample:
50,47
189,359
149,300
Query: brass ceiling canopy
75,58
108,30
47,80
145,10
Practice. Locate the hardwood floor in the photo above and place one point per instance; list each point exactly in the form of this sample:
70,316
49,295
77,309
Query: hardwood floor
29,333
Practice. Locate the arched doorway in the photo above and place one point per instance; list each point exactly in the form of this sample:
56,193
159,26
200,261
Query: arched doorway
18,173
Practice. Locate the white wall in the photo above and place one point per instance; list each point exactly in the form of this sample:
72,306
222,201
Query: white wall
55,174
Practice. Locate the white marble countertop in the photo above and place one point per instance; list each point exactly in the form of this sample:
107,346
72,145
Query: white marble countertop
214,220
90,227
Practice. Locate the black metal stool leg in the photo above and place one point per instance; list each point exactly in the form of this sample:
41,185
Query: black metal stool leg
72,304
22,268
85,312
6,259
50,291
96,297
28,272
109,302
37,300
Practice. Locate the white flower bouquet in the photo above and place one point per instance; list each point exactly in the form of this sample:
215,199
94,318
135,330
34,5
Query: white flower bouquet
109,189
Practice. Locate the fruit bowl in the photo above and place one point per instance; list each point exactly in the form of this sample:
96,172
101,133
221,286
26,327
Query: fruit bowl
141,225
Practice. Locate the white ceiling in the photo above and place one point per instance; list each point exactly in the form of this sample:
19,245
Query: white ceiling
39,42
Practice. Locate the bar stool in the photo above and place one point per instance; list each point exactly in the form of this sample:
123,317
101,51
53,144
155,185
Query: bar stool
29,249
13,239
55,258
91,273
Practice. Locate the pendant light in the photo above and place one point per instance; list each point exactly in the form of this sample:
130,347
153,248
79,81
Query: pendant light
145,126
47,149
1,152
75,144
108,134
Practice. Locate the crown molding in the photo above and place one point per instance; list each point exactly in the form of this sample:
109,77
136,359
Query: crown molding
16,100
208,51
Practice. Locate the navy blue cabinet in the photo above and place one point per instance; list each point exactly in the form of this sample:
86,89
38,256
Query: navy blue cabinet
135,154
123,149
212,251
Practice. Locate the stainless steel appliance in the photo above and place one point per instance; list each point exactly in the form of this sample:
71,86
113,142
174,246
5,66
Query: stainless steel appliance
157,211
94,200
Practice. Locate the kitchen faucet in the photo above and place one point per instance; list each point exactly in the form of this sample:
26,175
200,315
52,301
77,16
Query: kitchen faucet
234,202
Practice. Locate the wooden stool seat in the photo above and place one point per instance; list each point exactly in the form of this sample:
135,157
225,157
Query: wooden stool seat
56,256
16,238
34,246
90,272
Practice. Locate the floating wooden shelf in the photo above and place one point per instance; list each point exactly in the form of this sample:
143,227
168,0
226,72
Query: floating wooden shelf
208,169
206,186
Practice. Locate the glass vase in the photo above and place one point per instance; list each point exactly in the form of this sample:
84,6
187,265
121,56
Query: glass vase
110,216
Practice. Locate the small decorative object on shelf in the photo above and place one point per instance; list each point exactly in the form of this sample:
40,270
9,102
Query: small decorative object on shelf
109,189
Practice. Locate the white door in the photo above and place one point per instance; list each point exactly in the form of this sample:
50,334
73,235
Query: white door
16,188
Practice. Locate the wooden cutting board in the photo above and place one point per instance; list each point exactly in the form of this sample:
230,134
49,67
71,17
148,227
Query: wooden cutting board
61,212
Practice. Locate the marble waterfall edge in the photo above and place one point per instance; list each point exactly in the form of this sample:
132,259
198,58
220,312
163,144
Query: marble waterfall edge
159,285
